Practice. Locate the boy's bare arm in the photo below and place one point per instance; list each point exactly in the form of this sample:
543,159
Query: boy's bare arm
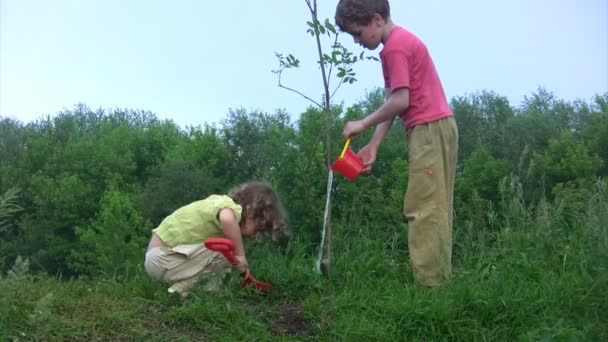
380,133
383,127
397,102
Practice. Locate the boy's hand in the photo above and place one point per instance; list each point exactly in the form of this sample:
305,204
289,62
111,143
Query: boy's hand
368,156
353,128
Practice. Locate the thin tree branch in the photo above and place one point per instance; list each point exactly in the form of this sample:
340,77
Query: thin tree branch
280,73
309,5
299,93
331,66
313,14
338,87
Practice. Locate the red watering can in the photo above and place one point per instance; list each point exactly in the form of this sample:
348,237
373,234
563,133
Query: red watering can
348,165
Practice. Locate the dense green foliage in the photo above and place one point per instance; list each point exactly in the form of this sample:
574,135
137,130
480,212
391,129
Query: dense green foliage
531,238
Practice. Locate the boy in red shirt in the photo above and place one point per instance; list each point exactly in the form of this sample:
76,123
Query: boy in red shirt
415,94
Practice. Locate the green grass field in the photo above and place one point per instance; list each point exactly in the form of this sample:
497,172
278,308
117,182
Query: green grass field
542,275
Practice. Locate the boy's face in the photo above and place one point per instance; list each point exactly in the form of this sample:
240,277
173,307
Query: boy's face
369,36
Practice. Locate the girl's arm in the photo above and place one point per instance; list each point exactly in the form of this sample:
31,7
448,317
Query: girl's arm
232,231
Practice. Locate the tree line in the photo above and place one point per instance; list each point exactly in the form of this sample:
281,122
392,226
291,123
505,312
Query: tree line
91,184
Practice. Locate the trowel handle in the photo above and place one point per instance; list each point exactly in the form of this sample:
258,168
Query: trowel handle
224,246
230,257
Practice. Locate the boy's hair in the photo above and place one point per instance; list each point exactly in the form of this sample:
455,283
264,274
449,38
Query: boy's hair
360,12
262,202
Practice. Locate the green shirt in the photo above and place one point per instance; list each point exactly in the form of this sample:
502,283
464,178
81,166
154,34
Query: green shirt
196,222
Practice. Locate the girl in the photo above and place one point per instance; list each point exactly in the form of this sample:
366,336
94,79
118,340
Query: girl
176,253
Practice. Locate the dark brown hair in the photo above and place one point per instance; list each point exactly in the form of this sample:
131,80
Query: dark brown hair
261,202
360,12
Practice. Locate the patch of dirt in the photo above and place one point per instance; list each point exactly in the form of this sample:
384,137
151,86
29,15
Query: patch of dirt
288,319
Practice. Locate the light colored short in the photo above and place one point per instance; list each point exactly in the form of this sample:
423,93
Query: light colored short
183,262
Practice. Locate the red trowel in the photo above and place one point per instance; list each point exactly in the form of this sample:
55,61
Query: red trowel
226,247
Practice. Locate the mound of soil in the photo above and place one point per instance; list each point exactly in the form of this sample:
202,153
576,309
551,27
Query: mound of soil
288,319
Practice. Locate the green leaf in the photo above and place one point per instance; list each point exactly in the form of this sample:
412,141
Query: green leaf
330,27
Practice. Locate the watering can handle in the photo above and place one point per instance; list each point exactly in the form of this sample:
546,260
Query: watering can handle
345,148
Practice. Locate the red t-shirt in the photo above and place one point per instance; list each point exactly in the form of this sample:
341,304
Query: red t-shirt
406,63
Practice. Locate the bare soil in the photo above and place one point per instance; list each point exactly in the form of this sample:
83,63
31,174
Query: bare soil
288,319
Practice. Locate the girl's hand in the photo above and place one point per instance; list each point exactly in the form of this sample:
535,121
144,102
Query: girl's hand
243,266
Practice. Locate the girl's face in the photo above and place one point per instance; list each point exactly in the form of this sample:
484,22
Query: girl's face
250,227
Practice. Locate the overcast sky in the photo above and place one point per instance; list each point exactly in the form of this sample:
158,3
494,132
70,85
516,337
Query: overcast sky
191,61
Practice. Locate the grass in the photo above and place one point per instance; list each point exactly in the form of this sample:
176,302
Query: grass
544,278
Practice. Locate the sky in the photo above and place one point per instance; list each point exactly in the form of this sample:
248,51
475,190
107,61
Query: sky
193,61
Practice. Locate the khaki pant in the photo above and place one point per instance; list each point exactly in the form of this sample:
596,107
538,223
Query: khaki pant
187,264
428,204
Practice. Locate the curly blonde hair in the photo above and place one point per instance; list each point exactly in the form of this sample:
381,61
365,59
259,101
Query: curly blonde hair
261,202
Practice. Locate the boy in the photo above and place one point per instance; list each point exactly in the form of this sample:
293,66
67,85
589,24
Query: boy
415,94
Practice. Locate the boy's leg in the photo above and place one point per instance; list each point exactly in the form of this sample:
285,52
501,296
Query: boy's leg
428,203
